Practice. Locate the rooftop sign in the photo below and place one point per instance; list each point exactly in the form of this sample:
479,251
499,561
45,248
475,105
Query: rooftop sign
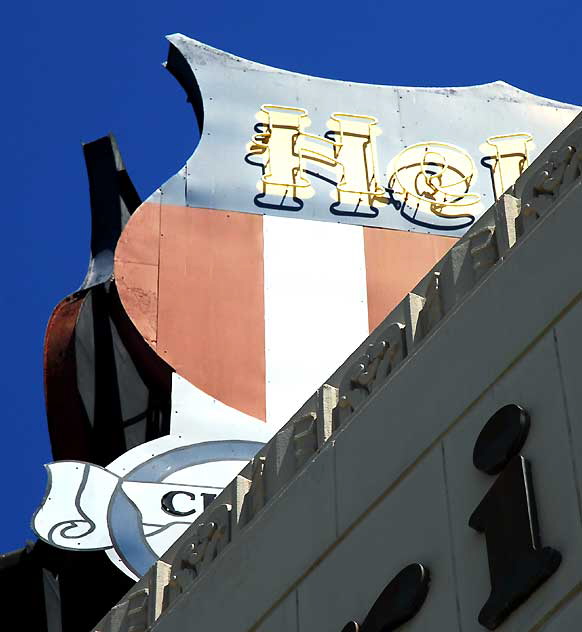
254,309
414,159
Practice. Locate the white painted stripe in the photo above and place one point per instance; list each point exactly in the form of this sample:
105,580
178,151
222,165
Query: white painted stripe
316,309
198,417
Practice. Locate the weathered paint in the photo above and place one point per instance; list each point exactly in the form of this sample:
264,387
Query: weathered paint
137,261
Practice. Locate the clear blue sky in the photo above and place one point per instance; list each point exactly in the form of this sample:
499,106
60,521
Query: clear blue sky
73,71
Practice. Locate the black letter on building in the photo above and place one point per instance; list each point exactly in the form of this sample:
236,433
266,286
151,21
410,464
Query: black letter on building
507,516
397,603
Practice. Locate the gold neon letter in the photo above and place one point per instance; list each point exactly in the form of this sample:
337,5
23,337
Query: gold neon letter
288,149
510,160
436,177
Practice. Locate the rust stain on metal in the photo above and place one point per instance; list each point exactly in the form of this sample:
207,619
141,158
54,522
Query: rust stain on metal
70,433
136,269
138,285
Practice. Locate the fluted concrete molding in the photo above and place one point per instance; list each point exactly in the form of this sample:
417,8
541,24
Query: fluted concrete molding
327,398
457,275
412,306
200,550
256,496
158,579
370,370
484,252
506,210
551,176
432,310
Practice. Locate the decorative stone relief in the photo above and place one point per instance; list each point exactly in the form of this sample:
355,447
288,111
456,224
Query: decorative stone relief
142,607
137,612
304,438
526,219
278,468
412,306
370,371
557,175
130,615
116,619
205,542
256,497
432,310
484,253
506,211
327,399
352,393
297,441
457,275
158,578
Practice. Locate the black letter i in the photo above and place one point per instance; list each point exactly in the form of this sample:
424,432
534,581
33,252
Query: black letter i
507,515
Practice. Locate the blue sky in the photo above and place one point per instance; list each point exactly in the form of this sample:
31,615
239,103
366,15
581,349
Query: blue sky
75,71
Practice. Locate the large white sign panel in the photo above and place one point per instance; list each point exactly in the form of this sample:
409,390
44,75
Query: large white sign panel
290,145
